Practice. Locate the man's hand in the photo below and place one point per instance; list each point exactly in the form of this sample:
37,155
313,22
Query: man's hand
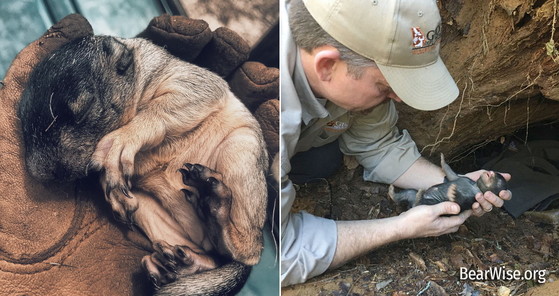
424,221
486,202
358,237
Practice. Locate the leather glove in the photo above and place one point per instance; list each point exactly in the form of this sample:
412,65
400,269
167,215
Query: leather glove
224,52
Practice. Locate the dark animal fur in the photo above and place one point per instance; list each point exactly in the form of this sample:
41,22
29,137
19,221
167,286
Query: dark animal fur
66,108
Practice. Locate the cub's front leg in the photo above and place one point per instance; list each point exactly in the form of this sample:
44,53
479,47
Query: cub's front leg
160,118
114,156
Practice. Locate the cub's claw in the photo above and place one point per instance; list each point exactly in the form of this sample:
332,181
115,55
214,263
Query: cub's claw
206,192
186,173
125,191
213,181
122,201
190,196
162,265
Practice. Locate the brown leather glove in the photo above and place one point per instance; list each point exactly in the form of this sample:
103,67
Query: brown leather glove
224,52
56,239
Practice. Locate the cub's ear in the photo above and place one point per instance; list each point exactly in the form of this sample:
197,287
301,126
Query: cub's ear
123,55
81,106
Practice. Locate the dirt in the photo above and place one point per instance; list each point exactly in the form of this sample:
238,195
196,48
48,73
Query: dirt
429,266
496,53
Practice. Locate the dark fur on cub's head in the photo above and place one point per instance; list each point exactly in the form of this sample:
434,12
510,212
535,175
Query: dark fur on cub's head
492,181
73,97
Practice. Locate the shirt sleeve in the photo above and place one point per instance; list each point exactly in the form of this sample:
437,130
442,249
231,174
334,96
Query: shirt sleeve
383,151
308,246
308,243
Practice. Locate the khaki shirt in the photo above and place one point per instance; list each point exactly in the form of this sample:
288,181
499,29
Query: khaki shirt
309,242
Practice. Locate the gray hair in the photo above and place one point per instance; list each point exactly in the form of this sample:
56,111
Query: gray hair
309,35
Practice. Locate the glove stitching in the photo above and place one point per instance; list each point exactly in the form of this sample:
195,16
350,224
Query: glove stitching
58,247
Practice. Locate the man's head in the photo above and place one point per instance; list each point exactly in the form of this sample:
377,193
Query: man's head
401,37
309,35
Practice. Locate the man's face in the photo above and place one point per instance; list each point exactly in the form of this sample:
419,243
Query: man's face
370,90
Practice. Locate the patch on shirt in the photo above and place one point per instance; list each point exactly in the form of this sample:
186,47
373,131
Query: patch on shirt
335,126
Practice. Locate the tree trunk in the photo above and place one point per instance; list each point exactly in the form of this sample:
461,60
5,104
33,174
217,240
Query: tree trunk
496,52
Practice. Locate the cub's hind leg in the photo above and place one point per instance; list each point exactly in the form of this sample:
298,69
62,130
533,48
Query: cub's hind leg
163,264
244,172
178,236
208,195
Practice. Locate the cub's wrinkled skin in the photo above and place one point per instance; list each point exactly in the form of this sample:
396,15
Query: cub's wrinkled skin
459,189
179,155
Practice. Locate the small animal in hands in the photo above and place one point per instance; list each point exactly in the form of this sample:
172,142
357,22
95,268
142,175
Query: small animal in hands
459,189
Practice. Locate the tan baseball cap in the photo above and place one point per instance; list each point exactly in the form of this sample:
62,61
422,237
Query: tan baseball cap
401,36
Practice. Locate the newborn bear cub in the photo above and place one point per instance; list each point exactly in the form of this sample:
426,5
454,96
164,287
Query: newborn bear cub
459,189
179,155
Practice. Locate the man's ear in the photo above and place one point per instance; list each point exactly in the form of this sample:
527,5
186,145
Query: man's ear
325,61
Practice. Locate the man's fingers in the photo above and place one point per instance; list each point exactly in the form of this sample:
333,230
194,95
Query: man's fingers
477,210
475,175
447,208
484,203
493,199
451,230
452,223
465,215
505,194
458,220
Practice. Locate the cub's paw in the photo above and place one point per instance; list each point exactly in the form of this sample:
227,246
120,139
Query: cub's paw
114,157
167,261
206,192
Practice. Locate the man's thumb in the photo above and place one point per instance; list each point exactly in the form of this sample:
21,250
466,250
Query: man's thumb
448,208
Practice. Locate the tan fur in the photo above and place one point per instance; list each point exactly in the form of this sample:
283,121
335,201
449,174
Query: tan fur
451,193
391,193
418,196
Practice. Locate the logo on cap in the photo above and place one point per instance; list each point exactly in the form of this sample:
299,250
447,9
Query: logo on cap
422,43
417,37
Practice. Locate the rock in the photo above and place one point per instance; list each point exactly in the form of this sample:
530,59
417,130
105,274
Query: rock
382,285
503,291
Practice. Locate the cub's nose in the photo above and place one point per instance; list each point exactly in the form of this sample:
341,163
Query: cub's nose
44,169
36,167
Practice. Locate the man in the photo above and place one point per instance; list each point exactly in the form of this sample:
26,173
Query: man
343,65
